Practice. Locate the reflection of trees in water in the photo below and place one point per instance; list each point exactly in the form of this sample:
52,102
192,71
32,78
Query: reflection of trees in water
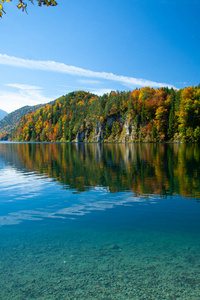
163,169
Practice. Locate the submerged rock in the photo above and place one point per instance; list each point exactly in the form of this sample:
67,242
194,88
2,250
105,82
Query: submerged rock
115,247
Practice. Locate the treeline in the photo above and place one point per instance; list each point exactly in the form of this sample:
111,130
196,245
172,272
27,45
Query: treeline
145,114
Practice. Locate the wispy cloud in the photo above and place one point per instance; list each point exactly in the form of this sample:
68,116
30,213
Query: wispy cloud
24,86
21,96
53,66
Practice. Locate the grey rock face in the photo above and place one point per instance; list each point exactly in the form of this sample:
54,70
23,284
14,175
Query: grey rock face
80,137
111,120
127,127
98,135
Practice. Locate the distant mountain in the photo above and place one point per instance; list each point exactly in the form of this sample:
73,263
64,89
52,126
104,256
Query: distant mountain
10,121
3,113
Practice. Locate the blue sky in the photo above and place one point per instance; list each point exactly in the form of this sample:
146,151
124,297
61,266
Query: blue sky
97,46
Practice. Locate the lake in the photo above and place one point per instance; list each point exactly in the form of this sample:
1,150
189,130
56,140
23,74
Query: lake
94,221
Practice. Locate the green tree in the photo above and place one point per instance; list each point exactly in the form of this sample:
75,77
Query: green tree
113,130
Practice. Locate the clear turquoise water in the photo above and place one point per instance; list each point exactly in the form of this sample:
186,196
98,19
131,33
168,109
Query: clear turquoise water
90,222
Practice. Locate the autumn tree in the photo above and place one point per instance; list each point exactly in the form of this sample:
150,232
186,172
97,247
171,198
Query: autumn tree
23,6
152,114
189,113
172,118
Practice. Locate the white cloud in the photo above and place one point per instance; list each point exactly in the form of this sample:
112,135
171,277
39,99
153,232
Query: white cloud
23,86
53,66
100,92
25,95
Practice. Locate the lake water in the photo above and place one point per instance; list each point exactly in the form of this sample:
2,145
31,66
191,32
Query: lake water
94,221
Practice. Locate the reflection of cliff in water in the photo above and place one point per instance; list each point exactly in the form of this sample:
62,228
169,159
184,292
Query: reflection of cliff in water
143,168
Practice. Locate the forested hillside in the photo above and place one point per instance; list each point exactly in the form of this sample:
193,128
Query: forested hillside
10,121
144,114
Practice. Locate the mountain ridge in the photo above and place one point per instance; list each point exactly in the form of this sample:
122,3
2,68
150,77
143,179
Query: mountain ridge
3,113
144,115
9,123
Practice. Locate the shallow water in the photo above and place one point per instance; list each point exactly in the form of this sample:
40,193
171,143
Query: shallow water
99,222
